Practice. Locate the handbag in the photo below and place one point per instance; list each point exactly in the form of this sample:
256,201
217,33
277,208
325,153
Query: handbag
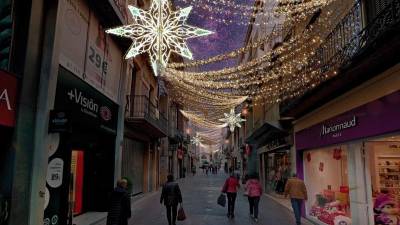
222,200
181,214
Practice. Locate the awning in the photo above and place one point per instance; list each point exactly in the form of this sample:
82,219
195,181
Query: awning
265,134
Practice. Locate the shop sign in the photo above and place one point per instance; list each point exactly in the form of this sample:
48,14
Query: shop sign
60,121
8,94
55,173
276,143
375,118
336,128
103,61
85,104
180,153
248,149
87,51
75,25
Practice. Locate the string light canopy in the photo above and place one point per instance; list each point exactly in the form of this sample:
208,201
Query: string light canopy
232,120
286,69
159,31
226,11
286,64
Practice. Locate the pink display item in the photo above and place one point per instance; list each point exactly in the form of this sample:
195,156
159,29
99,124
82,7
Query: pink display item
382,200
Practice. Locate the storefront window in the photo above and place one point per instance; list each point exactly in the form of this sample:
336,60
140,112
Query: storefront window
326,178
384,163
278,169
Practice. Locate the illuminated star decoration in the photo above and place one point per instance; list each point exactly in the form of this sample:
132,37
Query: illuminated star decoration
232,120
159,31
196,140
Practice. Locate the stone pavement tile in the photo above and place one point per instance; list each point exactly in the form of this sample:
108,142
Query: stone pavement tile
200,195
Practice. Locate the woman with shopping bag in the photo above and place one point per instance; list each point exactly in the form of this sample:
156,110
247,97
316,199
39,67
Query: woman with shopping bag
230,187
171,196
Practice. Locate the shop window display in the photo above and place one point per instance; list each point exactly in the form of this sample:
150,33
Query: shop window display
278,172
384,164
326,178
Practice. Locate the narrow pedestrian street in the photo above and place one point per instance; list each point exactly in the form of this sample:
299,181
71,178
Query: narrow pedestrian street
107,105
200,195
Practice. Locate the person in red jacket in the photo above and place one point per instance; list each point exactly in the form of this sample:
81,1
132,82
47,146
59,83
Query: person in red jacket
230,188
253,191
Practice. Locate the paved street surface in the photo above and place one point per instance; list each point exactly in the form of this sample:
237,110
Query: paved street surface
200,195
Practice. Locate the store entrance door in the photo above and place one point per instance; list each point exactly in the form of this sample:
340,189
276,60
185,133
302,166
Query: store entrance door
76,184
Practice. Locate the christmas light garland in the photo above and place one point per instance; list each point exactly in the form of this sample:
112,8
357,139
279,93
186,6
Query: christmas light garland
281,73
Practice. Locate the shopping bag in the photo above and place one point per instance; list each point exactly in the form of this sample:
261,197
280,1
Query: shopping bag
181,214
222,200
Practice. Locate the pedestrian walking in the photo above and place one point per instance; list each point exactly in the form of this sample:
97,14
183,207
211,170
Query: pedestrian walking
230,188
296,189
254,190
194,170
119,210
171,196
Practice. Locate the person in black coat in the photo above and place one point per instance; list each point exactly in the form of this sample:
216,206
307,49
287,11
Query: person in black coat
119,210
171,196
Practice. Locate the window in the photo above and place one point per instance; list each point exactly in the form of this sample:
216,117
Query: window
326,177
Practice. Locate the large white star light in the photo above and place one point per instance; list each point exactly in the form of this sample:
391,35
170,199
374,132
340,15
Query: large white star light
232,120
196,140
159,31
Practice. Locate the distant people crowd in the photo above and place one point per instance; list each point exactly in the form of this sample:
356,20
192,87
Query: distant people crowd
213,169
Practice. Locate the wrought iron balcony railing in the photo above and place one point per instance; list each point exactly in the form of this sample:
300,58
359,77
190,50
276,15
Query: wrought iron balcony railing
349,38
140,107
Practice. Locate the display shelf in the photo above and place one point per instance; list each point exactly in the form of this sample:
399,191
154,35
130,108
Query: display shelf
389,173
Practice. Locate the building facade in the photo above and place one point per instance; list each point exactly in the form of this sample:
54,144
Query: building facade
64,152
346,129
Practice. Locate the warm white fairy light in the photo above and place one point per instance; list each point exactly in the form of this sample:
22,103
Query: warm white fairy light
159,31
201,120
232,120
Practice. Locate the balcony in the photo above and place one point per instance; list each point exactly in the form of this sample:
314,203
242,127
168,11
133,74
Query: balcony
142,115
350,37
357,48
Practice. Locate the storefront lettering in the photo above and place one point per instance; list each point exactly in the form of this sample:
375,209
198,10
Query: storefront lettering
336,128
5,98
87,103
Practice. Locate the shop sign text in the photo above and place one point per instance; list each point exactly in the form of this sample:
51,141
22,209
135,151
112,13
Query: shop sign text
335,129
88,105
4,99
8,93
